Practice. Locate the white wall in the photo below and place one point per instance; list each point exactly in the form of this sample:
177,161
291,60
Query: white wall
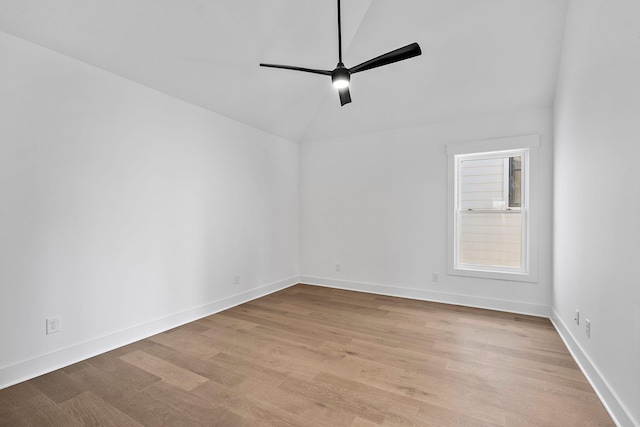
377,204
597,197
126,211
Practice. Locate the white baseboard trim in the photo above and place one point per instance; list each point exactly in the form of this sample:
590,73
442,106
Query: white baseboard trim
607,395
28,369
419,294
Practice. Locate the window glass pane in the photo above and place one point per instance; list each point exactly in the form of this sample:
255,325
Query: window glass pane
490,239
482,184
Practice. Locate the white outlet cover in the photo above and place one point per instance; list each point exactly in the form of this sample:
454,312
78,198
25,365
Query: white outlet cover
53,325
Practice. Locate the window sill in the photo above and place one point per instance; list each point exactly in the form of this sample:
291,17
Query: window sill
529,277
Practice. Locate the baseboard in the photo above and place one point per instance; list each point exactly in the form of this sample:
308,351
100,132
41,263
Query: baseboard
43,364
608,397
425,295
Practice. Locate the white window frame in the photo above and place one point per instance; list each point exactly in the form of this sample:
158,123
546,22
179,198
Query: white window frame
480,149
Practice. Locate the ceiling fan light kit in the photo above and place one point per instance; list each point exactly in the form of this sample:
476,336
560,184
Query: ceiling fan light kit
341,75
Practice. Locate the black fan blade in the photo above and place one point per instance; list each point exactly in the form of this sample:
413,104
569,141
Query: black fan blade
306,70
409,51
345,96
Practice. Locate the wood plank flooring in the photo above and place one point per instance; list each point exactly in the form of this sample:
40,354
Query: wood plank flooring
312,356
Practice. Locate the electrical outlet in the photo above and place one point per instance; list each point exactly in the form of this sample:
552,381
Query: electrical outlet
587,322
236,279
53,325
338,267
576,317
435,277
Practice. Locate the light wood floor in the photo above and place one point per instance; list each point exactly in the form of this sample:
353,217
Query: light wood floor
311,356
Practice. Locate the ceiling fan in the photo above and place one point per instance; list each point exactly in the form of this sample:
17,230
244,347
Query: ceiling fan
341,75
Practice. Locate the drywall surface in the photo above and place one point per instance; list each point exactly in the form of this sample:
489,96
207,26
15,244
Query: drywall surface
596,195
377,205
121,206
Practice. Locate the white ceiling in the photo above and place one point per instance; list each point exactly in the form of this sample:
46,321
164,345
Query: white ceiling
479,56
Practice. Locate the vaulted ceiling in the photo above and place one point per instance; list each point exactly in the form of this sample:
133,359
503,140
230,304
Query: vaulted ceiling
479,56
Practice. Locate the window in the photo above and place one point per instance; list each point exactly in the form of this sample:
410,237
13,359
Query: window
490,213
489,209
